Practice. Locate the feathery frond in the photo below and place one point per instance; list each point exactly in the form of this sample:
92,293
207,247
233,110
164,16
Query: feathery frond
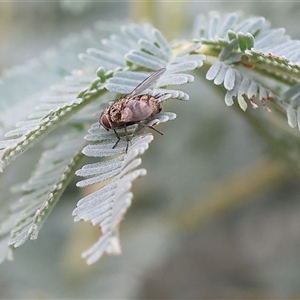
45,110
42,191
241,52
243,45
107,206
238,86
56,110
117,65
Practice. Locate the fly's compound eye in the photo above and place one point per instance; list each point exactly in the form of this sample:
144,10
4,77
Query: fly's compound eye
104,121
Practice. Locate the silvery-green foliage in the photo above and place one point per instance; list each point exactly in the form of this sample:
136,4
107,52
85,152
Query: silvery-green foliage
63,91
246,48
116,64
106,206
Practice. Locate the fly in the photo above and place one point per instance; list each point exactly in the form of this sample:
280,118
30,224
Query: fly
133,108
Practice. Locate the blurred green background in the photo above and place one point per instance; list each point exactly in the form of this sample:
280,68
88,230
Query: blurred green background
215,217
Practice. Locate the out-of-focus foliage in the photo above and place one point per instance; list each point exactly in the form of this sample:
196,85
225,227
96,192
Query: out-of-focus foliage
248,63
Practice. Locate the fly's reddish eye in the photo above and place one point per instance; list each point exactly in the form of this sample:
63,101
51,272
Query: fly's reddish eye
105,122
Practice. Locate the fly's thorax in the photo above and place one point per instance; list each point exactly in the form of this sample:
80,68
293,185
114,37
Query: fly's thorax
155,105
115,110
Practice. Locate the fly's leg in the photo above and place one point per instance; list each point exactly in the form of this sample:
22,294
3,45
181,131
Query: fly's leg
118,139
151,127
127,138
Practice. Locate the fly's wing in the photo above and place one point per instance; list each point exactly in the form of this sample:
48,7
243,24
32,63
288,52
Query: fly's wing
147,82
135,111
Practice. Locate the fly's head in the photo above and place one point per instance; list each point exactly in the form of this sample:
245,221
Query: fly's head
104,119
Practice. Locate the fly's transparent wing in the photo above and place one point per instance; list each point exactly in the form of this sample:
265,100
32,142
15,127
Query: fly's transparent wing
147,82
135,111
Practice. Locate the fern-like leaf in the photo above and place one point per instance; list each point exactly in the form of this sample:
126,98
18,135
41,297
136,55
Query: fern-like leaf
238,86
40,194
250,42
107,206
38,112
118,64
56,109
